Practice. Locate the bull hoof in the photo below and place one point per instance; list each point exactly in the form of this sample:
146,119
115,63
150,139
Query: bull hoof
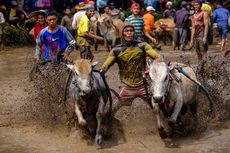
82,122
98,139
171,121
162,133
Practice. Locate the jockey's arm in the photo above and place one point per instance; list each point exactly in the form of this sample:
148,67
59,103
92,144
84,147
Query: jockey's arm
151,52
110,60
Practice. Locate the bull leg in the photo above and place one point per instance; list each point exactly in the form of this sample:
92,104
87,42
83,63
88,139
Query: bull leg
177,108
98,137
81,120
157,113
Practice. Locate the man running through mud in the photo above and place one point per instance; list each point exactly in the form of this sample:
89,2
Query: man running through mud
57,40
130,57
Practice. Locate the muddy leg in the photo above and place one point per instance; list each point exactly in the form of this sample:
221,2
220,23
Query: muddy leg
177,108
98,137
81,120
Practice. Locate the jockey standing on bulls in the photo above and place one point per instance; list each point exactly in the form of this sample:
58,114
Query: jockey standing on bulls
131,58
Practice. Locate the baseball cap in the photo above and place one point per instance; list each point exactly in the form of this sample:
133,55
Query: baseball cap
135,5
150,8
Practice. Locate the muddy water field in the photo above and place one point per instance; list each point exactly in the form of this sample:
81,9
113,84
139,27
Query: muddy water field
36,119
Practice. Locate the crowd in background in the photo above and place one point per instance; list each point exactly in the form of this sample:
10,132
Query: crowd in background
17,13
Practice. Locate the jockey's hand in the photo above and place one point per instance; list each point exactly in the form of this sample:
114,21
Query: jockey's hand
65,56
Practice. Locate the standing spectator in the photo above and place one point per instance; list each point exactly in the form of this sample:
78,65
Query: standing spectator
58,42
169,12
199,31
41,19
43,4
84,35
138,23
221,16
20,4
207,7
2,21
2,8
106,12
180,32
149,19
67,20
121,14
113,11
78,15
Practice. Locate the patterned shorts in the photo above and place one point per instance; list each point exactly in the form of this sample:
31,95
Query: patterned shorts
130,93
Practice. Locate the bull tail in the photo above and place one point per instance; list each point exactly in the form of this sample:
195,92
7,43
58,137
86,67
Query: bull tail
182,71
66,85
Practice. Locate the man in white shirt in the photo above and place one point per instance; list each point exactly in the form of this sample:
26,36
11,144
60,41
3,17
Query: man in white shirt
78,15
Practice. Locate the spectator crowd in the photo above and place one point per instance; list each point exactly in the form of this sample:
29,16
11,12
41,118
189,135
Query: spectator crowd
193,20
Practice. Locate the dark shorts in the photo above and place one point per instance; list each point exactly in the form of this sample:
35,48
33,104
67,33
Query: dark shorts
200,46
223,31
85,52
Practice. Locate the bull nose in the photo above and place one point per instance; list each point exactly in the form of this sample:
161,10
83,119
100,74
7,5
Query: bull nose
158,98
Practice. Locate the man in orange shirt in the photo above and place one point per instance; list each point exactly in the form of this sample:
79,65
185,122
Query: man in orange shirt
149,22
149,19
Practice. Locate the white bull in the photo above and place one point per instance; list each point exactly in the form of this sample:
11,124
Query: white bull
170,91
88,89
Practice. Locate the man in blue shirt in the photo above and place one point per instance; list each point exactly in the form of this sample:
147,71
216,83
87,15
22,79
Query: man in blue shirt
57,40
220,16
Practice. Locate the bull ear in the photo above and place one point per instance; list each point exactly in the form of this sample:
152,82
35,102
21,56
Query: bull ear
94,63
70,66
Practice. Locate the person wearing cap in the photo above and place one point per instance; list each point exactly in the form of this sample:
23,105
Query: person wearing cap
78,15
84,35
200,24
58,42
137,20
149,19
130,57
169,12
113,11
221,16
181,27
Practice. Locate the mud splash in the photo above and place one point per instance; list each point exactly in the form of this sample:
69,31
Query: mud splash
214,73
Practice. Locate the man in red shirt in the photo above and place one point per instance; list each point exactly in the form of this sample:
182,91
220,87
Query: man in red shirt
41,19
